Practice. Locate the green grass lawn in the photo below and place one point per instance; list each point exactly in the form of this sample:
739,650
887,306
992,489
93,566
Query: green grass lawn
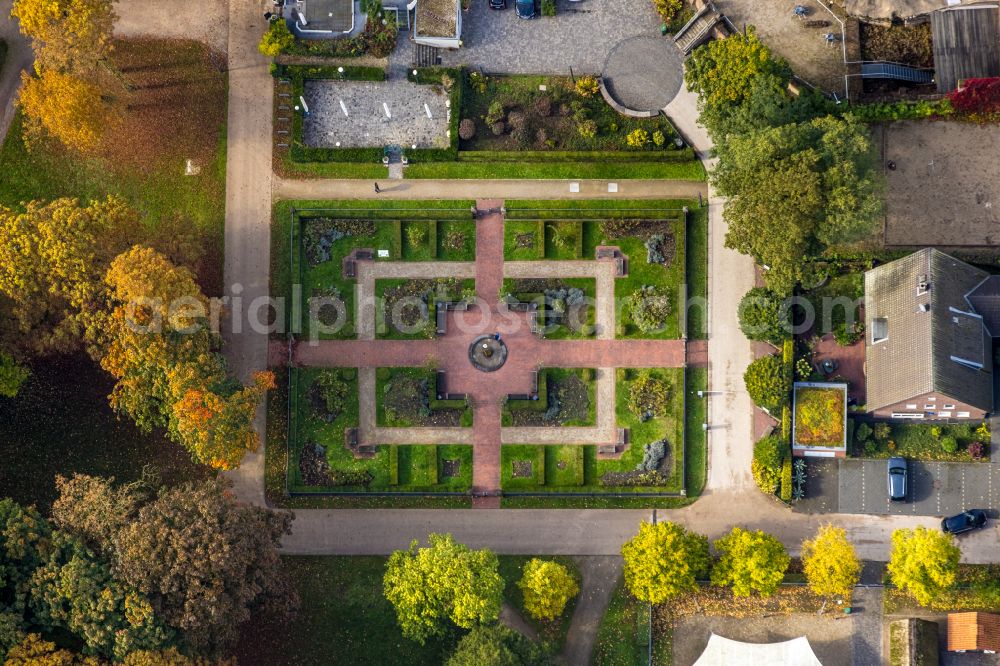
558,330
61,423
697,273
523,240
344,619
692,170
563,240
623,637
456,240
548,380
552,633
385,322
564,466
419,240
696,439
390,419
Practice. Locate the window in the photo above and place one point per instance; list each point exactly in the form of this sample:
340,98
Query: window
907,415
880,329
912,406
962,415
944,415
933,398
949,406
930,406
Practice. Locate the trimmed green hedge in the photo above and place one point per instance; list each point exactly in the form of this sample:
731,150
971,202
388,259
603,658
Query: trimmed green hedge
786,480
393,465
683,155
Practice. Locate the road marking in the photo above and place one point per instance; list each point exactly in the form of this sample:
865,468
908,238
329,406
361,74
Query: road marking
386,107
343,107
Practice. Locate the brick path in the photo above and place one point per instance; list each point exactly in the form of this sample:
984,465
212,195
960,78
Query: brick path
486,448
489,251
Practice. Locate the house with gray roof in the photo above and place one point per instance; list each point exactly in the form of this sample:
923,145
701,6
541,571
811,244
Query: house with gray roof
930,322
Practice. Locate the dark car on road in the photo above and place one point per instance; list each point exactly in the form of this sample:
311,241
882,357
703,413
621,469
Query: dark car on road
498,4
897,479
968,520
525,8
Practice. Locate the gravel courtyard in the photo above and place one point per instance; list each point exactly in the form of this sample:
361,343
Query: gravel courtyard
944,187
366,122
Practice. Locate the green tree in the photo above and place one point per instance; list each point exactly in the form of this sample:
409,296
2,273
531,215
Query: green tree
444,581
766,383
750,561
207,562
796,189
830,563
664,561
924,562
276,40
12,375
721,71
547,587
497,646
765,316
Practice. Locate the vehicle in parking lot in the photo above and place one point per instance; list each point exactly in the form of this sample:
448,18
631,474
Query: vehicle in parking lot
525,8
498,4
897,479
968,520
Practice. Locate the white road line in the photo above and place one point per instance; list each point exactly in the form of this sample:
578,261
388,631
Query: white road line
343,107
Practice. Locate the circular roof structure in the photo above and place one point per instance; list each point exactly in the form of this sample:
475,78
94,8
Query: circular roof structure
644,73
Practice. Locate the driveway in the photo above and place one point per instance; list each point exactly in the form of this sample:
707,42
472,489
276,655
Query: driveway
936,488
580,35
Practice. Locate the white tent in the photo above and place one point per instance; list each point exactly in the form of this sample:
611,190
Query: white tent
722,651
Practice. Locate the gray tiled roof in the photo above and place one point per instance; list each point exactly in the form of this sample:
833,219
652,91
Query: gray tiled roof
928,333
985,299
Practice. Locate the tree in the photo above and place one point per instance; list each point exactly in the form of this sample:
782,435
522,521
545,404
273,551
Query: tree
497,646
55,255
276,40
12,375
721,71
765,103
796,189
67,108
444,581
830,563
750,561
35,651
764,316
168,657
667,9
207,562
664,561
67,35
924,562
92,508
547,587
766,383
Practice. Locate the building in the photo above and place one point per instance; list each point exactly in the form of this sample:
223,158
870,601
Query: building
322,18
930,321
722,651
966,43
437,23
973,632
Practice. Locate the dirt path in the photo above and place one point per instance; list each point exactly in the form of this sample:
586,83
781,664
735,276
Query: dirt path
600,577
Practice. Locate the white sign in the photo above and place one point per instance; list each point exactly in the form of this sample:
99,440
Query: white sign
574,187
383,254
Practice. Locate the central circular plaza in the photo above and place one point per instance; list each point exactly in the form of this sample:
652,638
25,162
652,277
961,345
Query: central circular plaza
487,353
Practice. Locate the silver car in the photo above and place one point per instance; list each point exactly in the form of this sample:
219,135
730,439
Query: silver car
897,479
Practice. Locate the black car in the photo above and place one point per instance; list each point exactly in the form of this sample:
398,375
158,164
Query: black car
968,520
897,479
525,8
498,4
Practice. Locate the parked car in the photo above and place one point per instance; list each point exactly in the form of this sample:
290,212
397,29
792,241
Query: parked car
897,479
498,4
525,8
968,520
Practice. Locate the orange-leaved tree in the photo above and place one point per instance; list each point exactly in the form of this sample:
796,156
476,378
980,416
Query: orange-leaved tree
64,107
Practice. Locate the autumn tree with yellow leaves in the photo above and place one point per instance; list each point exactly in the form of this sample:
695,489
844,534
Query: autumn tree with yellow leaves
67,35
65,107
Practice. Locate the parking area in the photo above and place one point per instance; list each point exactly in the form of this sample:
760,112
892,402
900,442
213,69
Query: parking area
580,35
935,488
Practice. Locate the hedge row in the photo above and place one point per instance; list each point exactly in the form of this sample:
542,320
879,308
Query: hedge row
682,155
393,465
786,480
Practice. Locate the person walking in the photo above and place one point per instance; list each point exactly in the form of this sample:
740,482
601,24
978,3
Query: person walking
377,189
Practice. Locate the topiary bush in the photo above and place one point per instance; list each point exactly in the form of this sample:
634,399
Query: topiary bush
764,316
766,384
652,456
949,444
467,129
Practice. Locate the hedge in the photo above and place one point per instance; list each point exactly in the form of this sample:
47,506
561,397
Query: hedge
683,155
786,480
903,110
393,465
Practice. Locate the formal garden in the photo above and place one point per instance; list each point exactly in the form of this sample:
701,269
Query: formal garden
493,127
407,308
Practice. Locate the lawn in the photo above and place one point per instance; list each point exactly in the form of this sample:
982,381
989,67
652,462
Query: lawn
577,322
692,170
344,619
623,636
407,309
176,110
61,423
523,240
405,399
573,388
448,240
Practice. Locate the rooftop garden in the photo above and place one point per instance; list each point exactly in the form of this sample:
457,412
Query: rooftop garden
819,420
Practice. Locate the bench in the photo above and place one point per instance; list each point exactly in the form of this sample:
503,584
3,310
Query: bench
607,450
440,385
441,317
350,269
817,23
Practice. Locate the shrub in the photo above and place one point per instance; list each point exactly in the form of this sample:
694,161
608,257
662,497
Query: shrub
478,82
949,444
649,396
667,9
548,7
587,86
976,450
767,479
660,249
764,316
383,374
348,374
547,587
862,433
637,138
276,40
494,113
803,369
416,233
467,129
498,128
765,382
328,393
542,106
881,432
845,337
587,129
983,432
652,456
658,138
649,307
786,480
770,452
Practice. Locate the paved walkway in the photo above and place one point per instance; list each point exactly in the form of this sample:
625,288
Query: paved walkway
486,448
19,57
499,189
